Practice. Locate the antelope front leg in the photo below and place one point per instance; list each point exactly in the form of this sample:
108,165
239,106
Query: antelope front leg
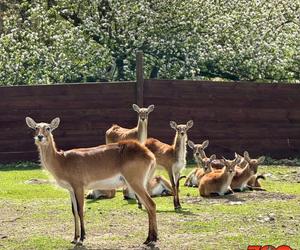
177,179
175,192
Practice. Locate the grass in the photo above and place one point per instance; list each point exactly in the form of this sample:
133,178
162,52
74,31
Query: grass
38,216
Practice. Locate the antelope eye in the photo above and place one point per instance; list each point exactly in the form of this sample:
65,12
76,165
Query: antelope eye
36,128
48,128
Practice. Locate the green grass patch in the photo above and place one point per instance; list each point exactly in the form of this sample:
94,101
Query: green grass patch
38,216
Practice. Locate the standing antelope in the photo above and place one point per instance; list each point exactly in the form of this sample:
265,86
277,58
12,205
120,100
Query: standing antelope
105,167
116,133
218,182
245,173
172,157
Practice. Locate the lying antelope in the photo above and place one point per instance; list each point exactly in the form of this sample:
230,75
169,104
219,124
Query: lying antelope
218,182
172,157
196,175
192,179
117,133
104,167
198,151
157,186
245,172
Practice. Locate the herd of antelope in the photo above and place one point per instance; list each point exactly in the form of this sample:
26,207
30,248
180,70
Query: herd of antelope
129,159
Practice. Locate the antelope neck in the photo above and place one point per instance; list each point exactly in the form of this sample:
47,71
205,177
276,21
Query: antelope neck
142,130
180,147
49,156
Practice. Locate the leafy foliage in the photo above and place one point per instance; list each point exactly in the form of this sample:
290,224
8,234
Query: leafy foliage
75,41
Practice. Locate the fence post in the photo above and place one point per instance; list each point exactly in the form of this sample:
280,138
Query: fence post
140,79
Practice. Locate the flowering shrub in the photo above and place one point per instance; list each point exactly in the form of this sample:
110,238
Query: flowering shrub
76,41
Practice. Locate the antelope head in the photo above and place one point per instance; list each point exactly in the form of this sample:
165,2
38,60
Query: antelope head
198,150
43,131
253,163
231,164
181,129
206,163
143,112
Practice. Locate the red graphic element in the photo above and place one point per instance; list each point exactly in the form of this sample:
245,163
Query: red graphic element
268,247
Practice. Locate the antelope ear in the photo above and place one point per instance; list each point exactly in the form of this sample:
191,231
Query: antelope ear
260,160
246,156
237,159
150,108
30,122
238,156
173,125
191,144
205,144
54,123
190,124
212,157
136,107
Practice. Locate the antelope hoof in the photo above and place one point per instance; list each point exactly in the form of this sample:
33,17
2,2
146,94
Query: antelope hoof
140,206
150,241
237,190
178,208
128,198
90,196
74,241
79,243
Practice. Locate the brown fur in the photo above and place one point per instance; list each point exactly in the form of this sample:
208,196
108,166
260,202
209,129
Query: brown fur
218,181
241,178
117,133
126,162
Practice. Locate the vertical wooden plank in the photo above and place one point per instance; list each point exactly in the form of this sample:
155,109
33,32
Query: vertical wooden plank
139,79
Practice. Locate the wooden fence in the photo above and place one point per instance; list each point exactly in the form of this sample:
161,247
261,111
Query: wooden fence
262,118
86,111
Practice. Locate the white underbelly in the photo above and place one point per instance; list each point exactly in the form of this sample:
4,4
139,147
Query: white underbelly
194,180
244,185
157,190
114,182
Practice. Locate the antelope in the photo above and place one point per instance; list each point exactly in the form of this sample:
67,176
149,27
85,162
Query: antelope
218,182
198,150
172,157
196,175
103,167
117,133
159,186
245,173
192,179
